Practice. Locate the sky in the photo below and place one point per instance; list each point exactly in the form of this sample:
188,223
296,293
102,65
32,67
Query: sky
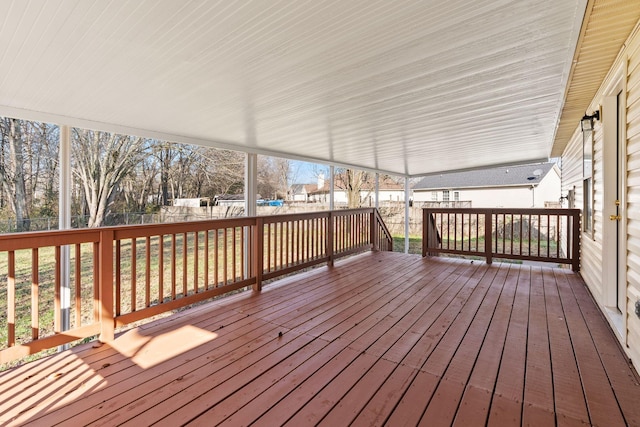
305,172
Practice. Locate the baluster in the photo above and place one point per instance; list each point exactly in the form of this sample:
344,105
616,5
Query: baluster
173,266
147,278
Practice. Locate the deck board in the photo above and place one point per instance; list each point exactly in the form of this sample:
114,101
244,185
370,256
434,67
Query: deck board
476,398
601,401
569,402
508,394
378,339
538,393
444,404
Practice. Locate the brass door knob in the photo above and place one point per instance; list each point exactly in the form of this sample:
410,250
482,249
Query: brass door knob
615,217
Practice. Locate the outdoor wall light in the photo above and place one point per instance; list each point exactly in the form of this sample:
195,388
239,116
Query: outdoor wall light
587,121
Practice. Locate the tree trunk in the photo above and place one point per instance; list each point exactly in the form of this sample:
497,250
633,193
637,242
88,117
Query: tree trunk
165,162
102,162
13,176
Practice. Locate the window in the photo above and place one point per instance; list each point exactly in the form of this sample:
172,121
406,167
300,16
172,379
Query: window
587,182
434,196
456,196
445,195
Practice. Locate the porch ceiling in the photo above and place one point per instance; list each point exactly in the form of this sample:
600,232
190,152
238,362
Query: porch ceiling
408,87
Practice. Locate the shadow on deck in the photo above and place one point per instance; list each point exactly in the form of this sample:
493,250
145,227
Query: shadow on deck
381,338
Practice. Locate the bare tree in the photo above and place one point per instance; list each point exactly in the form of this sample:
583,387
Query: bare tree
45,164
273,177
354,183
138,187
283,173
165,156
225,171
102,161
12,168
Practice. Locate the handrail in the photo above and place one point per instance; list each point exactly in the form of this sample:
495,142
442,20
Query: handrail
548,235
383,240
124,274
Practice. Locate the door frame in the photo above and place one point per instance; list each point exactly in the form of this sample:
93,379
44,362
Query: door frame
614,259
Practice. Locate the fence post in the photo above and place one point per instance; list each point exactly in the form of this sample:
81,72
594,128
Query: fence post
575,242
329,242
488,232
107,321
257,252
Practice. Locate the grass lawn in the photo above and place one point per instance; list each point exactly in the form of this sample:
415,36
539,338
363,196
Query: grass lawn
46,281
415,244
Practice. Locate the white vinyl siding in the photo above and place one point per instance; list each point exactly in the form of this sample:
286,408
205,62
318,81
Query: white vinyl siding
633,198
592,248
590,260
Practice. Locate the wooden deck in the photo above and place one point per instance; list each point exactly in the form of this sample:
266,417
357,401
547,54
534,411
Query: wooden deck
381,338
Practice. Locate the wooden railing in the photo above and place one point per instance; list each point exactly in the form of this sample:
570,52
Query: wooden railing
381,236
121,275
548,235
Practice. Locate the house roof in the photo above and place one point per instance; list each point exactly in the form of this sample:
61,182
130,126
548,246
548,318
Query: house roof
310,188
303,188
405,87
509,176
297,188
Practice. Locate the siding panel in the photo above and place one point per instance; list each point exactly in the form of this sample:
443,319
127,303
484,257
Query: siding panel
592,249
591,265
633,198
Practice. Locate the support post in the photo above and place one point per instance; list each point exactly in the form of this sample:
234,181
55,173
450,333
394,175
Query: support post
64,223
377,190
250,184
250,209
332,171
406,214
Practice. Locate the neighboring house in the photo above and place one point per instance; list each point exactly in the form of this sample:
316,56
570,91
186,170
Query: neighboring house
300,192
388,191
230,200
601,172
192,203
523,186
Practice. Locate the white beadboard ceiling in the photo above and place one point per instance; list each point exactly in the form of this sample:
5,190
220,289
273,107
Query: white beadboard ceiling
407,87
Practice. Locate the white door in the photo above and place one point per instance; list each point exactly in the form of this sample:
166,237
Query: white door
621,149
614,216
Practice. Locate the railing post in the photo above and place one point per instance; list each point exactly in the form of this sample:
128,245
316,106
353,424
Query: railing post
374,230
488,232
575,242
329,235
257,252
107,321
425,232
